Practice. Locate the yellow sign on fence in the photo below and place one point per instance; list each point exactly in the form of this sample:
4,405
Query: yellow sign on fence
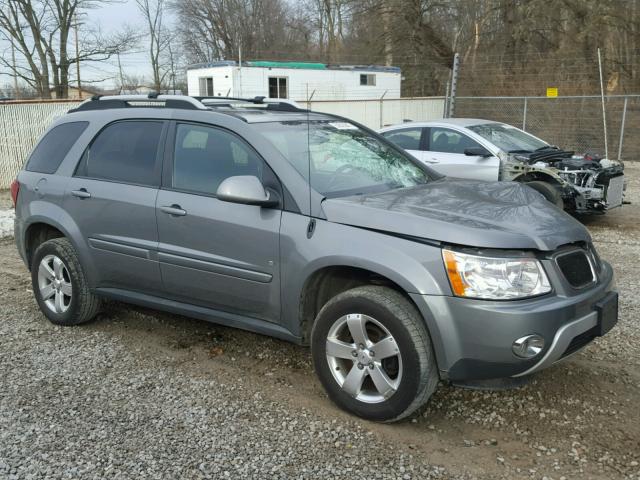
552,91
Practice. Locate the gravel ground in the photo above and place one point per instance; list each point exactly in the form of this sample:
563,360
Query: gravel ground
143,394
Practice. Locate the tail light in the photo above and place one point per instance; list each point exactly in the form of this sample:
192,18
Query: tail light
15,188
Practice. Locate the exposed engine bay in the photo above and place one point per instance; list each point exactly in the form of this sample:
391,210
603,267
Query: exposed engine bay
588,183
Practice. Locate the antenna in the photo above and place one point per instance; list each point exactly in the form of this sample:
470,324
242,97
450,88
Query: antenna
312,222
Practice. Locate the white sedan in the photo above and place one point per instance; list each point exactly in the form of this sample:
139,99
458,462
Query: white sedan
492,151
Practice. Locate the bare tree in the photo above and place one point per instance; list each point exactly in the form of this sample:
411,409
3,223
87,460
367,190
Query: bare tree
219,29
40,30
159,39
506,46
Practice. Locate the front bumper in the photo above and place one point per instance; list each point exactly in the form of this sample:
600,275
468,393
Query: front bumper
472,338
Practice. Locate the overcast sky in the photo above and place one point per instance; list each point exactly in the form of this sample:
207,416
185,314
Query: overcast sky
110,17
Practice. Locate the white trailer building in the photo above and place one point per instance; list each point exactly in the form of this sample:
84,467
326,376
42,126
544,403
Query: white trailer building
293,80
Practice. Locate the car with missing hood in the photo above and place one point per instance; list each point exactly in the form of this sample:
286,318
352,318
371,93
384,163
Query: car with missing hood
488,150
313,229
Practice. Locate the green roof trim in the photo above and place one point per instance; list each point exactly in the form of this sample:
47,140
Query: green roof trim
307,65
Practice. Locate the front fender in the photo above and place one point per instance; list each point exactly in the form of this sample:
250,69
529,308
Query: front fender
415,267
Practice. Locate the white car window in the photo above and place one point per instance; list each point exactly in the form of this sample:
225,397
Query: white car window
446,140
407,138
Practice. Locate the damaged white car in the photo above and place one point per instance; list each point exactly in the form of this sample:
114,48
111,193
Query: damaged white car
487,150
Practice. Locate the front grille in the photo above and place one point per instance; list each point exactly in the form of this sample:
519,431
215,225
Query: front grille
580,341
615,191
576,268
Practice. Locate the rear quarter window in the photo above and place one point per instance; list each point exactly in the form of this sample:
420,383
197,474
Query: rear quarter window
54,146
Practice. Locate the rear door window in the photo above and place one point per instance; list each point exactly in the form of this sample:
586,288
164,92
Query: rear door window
407,138
54,146
449,141
125,152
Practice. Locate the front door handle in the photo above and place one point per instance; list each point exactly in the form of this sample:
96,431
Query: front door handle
175,210
82,193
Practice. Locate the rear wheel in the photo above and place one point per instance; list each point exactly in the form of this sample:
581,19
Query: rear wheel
548,191
60,286
373,355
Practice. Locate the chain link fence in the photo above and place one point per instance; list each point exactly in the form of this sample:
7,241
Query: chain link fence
572,123
21,125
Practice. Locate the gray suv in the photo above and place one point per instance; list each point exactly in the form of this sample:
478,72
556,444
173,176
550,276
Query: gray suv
310,228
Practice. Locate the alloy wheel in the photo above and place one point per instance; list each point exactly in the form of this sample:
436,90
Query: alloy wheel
364,358
54,284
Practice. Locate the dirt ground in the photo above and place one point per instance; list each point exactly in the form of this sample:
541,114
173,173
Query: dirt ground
578,419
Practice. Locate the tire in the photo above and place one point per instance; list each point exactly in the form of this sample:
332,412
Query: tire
60,286
383,312
548,191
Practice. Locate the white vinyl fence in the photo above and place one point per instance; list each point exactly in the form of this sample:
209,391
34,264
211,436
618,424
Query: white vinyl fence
22,124
381,113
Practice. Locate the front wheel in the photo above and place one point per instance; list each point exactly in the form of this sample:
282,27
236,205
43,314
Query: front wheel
373,355
548,191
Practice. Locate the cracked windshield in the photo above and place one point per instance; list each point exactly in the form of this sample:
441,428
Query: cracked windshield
344,159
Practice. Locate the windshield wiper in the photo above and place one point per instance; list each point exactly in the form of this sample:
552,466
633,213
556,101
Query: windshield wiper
519,151
546,147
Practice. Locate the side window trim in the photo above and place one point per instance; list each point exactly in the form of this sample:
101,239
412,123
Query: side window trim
169,158
424,139
157,173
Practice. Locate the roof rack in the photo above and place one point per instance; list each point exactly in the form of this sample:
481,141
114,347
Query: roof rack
185,102
279,104
100,102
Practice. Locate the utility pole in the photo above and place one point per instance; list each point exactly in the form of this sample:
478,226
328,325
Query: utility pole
15,73
388,42
120,73
604,110
239,69
75,22
454,84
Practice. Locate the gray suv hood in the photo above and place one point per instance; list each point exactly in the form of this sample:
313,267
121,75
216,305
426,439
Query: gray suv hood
463,212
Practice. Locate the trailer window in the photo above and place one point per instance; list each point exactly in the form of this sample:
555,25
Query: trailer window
368,79
206,86
278,87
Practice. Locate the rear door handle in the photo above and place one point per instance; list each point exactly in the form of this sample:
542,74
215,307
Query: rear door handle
82,193
175,210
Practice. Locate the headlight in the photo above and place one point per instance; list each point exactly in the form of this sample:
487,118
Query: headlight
495,278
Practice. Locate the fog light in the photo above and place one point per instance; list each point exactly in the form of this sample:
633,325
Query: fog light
528,346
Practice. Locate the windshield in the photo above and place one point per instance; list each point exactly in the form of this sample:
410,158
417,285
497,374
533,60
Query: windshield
345,160
507,138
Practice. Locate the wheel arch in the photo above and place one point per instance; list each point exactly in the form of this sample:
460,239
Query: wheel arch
539,176
327,281
47,221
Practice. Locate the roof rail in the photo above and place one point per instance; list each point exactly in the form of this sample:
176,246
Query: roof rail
279,104
99,102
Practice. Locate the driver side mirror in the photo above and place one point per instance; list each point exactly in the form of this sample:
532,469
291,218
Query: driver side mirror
246,189
477,152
